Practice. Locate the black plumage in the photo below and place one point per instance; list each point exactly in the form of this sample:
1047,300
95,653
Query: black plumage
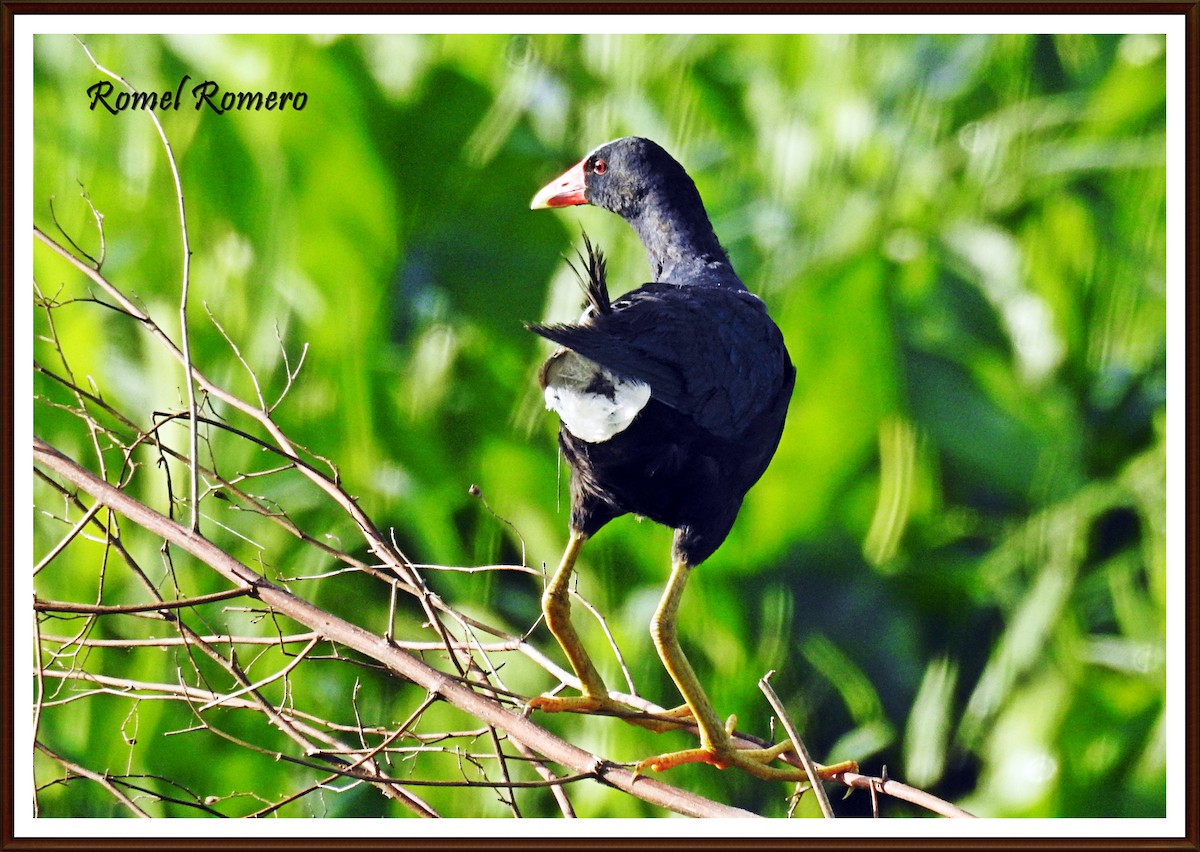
672,399
720,381
719,374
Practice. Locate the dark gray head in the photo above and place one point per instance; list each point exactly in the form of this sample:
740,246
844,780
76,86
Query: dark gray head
643,184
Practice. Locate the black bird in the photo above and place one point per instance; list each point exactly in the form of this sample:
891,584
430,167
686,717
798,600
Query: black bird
672,400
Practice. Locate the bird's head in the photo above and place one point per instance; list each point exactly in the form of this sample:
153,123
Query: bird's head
618,176
645,186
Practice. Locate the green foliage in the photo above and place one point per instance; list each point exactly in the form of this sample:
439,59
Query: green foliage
956,562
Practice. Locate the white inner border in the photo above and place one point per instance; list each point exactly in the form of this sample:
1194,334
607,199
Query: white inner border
25,27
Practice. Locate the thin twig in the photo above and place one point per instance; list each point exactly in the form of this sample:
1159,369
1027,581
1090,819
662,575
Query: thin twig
289,373
390,555
167,641
282,673
67,539
897,790
237,352
119,609
101,779
798,746
184,336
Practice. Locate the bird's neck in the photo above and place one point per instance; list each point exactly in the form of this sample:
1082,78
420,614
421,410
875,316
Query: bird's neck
682,247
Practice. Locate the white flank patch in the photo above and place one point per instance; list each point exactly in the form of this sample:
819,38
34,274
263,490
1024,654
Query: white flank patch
590,415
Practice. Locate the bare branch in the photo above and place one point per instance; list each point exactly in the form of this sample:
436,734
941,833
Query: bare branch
95,609
517,726
903,792
101,779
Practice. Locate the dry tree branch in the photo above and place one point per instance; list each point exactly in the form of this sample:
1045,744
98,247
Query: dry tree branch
282,673
166,641
138,690
99,609
67,539
306,738
100,778
904,792
519,729
352,636
378,544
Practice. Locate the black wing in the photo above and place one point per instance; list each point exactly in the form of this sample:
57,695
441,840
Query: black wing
710,353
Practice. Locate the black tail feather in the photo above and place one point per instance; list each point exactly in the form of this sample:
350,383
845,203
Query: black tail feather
595,284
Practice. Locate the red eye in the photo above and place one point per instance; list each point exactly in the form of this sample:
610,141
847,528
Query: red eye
600,168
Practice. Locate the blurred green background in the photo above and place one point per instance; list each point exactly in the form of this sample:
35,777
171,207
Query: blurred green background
956,562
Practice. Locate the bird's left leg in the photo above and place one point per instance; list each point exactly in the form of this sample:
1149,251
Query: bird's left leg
556,606
716,742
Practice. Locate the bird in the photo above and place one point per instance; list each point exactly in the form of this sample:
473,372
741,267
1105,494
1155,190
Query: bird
672,400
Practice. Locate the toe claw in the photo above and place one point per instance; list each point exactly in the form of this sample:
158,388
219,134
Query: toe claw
756,761
585,703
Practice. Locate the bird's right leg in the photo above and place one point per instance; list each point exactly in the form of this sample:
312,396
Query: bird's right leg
716,740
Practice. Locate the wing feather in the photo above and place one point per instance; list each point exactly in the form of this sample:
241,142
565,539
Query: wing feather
699,349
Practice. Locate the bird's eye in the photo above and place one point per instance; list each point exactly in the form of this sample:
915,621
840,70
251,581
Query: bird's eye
600,168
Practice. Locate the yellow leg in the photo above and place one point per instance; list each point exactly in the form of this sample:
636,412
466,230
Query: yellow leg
556,606
716,744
